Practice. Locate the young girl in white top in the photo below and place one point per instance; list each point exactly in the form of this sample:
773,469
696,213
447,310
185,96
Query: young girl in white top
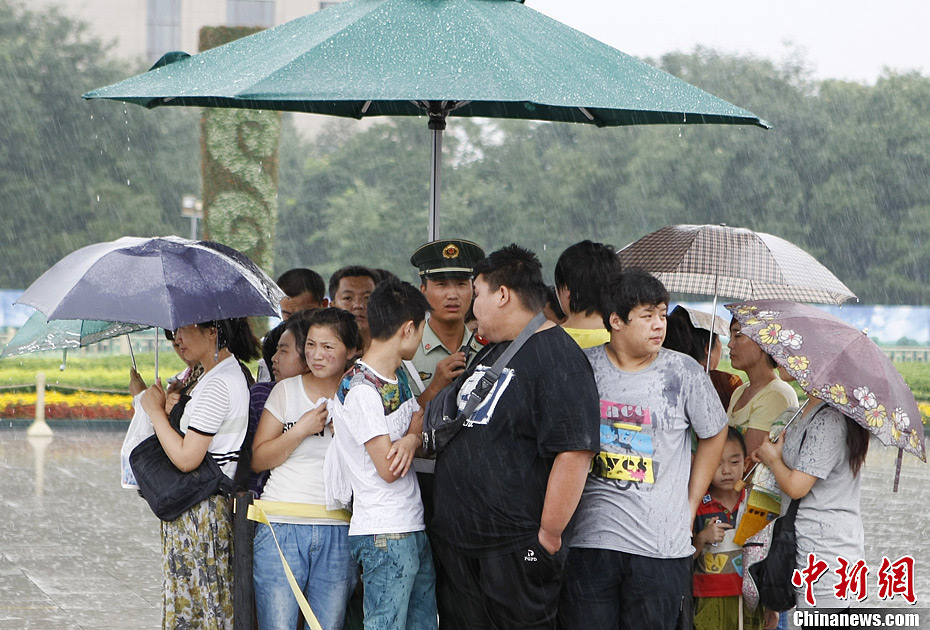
293,435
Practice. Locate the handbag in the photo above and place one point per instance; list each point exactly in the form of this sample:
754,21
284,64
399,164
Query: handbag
139,428
169,491
771,576
769,558
442,419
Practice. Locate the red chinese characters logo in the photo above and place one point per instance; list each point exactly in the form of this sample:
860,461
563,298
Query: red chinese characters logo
894,578
897,578
852,580
808,576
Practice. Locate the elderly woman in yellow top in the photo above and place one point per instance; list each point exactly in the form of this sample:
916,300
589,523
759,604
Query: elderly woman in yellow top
756,404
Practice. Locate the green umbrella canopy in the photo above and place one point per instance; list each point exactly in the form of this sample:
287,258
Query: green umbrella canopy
491,58
38,335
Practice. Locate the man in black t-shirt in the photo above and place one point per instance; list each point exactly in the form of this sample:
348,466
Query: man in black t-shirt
508,484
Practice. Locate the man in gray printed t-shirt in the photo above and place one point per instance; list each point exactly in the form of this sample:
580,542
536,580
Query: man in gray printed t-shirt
630,559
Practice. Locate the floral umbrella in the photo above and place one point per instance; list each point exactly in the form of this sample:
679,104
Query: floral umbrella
839,364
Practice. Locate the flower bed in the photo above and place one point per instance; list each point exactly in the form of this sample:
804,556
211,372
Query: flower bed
61,406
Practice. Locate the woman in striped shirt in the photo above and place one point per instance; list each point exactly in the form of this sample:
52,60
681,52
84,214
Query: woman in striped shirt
197,546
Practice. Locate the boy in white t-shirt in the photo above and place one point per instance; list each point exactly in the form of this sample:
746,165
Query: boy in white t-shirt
387,532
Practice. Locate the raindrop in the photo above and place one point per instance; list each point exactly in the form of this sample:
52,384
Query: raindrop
98,197
127,182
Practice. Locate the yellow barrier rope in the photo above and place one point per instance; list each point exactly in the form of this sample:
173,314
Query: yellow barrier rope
259,511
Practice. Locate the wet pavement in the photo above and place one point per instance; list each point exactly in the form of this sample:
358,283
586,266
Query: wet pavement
77,551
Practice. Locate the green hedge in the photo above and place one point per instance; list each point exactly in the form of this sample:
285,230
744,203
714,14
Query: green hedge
112,372
917,377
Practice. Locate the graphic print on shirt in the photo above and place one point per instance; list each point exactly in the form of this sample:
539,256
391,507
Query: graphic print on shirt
396,398
718,571
485,410
626,444
329,420
393,395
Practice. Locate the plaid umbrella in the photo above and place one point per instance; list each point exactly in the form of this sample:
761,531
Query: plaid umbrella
838,364
733,262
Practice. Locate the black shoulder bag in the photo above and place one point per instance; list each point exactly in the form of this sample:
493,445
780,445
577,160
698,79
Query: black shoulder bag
168,491
442,420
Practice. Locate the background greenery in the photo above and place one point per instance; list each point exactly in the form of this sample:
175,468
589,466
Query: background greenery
845,173
112,372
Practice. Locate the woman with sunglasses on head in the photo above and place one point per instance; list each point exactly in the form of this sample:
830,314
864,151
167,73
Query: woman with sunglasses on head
197,545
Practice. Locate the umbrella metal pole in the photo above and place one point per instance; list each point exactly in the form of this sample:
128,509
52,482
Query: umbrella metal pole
713,321
156,353
131,355
437,123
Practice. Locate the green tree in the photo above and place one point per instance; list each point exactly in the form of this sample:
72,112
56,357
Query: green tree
71,172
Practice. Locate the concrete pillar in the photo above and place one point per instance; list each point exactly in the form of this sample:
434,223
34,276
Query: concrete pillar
39,428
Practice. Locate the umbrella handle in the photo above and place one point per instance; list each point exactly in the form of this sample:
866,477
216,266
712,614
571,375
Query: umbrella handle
132,356
739,485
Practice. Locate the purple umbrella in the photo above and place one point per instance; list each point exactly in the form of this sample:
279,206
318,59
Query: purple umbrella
838,364
165,281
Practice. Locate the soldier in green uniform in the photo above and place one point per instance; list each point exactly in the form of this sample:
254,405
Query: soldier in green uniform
445,279
445,268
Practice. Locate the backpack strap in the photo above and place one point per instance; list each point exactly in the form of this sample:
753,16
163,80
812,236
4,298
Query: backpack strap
792,510
491,376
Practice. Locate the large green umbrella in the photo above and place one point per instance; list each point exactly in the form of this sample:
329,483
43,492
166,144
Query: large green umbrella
491,58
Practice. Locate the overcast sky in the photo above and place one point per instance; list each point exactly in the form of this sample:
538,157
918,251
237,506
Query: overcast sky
851,40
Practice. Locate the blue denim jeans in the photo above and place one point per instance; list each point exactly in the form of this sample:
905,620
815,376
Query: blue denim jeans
399,580
321,562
